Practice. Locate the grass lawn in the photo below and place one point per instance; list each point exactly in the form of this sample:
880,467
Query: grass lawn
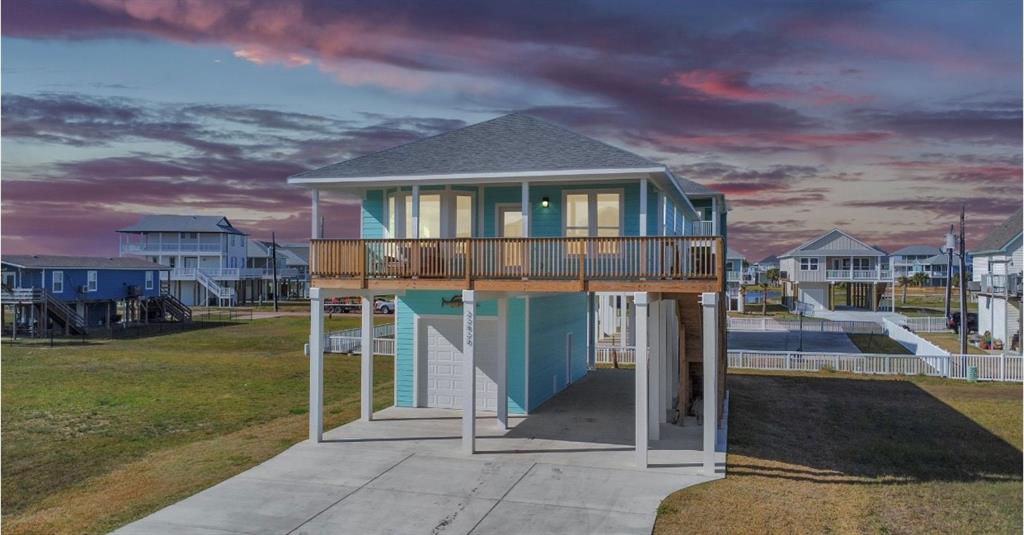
878,343
100,434
827,453
951,342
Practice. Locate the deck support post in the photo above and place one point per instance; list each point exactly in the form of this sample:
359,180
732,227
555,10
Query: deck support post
314,218
665,385
640,301
654,367
366,370
709,306
415,212
592,331
643,206
524,207
468,372
316,366
502,373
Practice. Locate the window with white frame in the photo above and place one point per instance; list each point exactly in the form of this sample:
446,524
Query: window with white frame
593,214
91,281
149,280
189,235
442,214
808,264
57,284
861,263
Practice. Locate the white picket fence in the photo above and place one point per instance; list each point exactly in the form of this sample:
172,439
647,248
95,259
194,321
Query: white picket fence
989,367
607,354
807,325
351,340
923,324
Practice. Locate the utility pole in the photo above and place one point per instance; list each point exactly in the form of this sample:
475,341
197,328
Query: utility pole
963,286
273,254
949,273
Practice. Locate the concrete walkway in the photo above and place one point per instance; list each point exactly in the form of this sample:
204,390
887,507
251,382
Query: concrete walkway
791,341
567,468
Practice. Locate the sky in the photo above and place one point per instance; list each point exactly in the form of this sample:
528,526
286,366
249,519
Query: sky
880,118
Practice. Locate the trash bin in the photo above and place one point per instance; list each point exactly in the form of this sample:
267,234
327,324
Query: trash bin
972,374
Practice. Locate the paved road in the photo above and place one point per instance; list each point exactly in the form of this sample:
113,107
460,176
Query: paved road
790,341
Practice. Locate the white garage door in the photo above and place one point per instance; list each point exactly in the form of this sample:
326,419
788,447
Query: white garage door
814,296
440,341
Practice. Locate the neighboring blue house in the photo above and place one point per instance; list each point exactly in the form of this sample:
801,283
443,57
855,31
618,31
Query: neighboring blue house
77,292
496,238
926,259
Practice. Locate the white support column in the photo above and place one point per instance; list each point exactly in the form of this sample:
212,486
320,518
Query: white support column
592,331
640,307
315,216
662,214
654,368
525,209
468,371
710,304
643,207
502,374
415,212
664,392
316,366
623,319
714,216
366,375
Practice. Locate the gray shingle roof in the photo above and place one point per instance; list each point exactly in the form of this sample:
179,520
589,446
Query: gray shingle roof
806,250
938,259
917,250
693,188
770,260
82,262
511,143
183,223
731,253
1002,235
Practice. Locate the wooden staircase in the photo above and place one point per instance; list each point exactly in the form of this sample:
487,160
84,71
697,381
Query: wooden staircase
167,306
49,306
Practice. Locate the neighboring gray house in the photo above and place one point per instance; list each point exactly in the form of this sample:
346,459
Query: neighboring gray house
996,280
205,255
811,270
914,259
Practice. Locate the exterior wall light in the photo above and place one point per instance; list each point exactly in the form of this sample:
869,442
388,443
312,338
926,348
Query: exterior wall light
545,202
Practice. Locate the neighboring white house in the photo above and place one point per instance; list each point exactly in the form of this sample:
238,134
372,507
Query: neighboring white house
205,255
292,272
926,259
811,270
736,276
996,281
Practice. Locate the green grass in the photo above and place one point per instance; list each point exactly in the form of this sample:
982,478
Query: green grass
77,417
951,342
878,343
834,453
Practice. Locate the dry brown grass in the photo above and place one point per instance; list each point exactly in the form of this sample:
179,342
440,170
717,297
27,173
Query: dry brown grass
166,476
844,454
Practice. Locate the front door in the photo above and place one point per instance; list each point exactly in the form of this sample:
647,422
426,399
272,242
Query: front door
510,225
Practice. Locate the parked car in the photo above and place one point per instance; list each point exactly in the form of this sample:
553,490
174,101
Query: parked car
384,306
954,322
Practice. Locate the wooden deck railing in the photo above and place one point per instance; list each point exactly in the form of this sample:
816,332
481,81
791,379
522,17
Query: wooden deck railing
663,259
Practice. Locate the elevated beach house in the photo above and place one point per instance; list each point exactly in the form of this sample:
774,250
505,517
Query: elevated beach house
495,239
52,294
204,255
913,259
996,281
811,271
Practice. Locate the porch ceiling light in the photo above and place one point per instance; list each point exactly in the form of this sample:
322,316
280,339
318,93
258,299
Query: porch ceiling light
545,202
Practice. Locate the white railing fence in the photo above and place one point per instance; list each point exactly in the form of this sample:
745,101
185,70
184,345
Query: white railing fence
807,325
924,324
351,340
989,367
609,354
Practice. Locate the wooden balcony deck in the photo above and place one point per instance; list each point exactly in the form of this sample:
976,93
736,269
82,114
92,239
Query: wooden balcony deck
684,264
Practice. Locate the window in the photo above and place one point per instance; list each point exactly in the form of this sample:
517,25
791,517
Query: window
510,225
58,282
862,264
463,216
149,280
808,264
91,281
594,214
9,279
189,236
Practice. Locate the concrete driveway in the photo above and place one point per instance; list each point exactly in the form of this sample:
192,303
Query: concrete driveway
790,341
567,468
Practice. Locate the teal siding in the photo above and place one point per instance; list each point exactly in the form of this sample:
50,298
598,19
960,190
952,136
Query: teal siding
547,222
551,319
418,302
373,215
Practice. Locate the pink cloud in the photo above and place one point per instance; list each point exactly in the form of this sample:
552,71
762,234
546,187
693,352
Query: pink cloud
735,85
